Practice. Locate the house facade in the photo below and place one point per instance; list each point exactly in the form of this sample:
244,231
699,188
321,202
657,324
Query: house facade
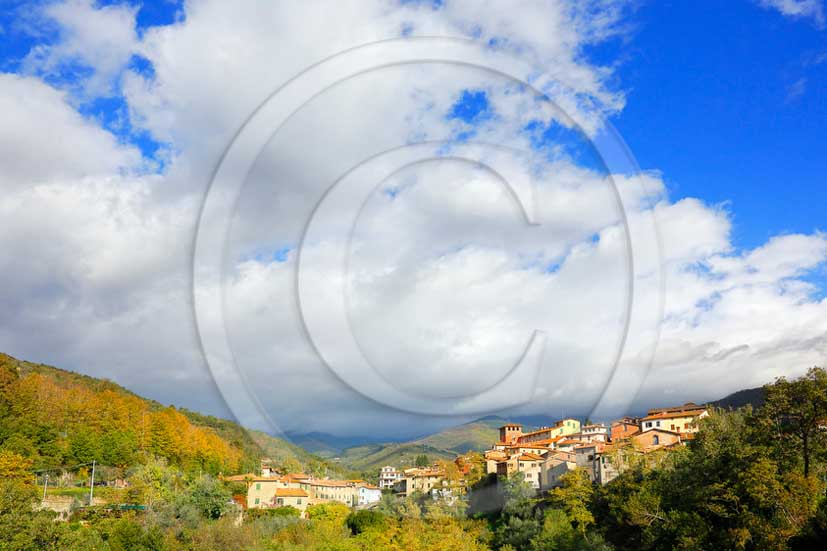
419,480
681,419
368,494
388,477
290,497
554,466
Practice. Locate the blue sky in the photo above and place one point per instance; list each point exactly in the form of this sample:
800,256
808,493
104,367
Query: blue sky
714,103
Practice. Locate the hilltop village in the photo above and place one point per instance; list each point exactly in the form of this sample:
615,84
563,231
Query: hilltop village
539,458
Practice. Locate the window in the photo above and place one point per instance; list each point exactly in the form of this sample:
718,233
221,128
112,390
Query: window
658,423
655,440
257,501
298,501
281,501
258,486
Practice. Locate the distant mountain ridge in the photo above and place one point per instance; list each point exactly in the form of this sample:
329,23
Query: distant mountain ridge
446,444
478,435
754,397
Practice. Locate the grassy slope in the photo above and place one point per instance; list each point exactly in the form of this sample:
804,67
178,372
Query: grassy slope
474,436
446,444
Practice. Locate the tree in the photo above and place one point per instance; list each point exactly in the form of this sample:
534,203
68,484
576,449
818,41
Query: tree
209,497
361,521
574,497
84,446
14,466
421,461
558,534
723,491
798,409
331,511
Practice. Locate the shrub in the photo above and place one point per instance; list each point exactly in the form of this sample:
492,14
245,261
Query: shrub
361,521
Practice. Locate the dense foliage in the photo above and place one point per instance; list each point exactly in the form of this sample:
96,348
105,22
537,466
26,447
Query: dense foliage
752,480
57,418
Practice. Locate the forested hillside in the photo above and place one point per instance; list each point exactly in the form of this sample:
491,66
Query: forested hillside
59,418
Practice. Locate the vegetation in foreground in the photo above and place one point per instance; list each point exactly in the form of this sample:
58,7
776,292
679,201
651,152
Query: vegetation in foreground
751,480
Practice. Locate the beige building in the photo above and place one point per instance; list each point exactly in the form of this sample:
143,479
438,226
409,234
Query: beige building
654,439
492,458
527,466
563,427
680,419
322,490
419,480
262,490
554,466
291,497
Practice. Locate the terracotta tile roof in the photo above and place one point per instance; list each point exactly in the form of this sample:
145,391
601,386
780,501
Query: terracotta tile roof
638,435
240,477
664,415
329,483
290,492
689,406
543,442
570,441
529,457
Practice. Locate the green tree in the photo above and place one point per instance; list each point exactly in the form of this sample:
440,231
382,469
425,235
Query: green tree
558,534
209,497
422,461
361,521
84,446
798,410
574,497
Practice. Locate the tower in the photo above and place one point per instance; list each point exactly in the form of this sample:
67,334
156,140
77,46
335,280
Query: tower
511,432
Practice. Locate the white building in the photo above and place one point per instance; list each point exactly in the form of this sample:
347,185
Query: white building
388,477
595,433
368,494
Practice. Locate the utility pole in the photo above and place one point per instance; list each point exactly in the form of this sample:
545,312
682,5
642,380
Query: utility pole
92,484
45,484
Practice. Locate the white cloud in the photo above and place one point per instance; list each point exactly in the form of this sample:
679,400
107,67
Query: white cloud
806,9
43,139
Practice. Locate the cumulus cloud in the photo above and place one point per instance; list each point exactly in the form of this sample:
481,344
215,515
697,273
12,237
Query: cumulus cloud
445,280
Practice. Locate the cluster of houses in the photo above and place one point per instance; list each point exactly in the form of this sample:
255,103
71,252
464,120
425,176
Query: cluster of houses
541,457
427,480
298,490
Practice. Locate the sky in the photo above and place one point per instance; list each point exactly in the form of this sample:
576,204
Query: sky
310,217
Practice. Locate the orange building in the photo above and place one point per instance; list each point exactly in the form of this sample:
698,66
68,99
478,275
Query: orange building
624,428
